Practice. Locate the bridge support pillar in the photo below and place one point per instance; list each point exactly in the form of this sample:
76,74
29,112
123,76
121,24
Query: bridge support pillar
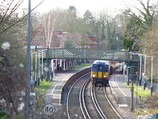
47,70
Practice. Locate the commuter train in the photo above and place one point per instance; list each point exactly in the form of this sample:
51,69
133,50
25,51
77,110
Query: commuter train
100,72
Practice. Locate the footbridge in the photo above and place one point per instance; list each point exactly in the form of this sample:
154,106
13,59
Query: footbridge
90,54
46,61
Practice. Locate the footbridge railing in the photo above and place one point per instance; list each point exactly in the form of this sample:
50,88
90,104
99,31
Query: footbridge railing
91,54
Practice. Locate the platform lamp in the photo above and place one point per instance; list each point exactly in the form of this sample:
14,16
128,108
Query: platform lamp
140,71
152,67
128,75
151,72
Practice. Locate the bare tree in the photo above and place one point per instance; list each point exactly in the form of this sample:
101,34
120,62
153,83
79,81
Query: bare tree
149,47
49,21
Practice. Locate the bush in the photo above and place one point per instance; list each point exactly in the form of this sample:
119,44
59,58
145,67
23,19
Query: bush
152,101
3,115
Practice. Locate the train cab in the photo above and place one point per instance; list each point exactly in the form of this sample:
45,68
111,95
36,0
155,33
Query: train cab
100,71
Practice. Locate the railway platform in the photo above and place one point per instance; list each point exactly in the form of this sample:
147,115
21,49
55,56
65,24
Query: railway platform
121,92
53,94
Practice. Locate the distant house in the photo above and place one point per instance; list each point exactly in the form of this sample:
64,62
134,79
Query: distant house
62,39
94,40
76,40
38,38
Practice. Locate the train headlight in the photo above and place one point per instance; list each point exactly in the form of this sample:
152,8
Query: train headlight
93,75
105,76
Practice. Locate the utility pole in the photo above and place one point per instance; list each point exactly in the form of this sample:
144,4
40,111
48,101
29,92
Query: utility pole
128,75
28,63
152,74
132,100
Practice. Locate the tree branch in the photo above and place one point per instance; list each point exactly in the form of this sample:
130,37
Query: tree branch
21,18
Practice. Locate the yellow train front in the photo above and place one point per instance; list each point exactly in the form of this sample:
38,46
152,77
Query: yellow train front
100,72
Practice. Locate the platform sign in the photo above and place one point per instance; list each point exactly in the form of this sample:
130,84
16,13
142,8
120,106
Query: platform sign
48,109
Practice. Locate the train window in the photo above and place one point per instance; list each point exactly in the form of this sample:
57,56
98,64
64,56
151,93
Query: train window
100,67
103,68
106,68
94,67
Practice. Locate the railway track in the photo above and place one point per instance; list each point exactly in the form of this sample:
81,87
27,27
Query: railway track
108,110
84,101
74,98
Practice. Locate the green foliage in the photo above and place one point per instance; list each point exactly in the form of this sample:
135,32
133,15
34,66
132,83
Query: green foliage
3,69
68,44
1,58
44,85
17,117
145,111
42,88
140,31
83,65
72,8
12,30
3,115
127,44
139,24
139,90
134,29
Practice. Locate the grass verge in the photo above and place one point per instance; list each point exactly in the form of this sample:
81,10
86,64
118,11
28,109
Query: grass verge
43,87
145,111
139,90
83,65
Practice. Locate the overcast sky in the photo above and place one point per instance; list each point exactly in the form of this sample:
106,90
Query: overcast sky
83,5
111,6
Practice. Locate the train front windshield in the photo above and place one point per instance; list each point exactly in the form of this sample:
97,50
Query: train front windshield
100,68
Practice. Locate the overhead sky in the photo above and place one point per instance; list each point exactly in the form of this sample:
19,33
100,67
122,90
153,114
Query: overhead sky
81,5
111,6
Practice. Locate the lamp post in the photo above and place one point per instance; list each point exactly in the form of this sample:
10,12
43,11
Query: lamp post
128,75
140,70
123,72
39,68
42,67
151,74
151,70
145,65
28,63
132,100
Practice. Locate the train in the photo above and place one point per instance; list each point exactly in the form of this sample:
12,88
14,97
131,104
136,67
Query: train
100,72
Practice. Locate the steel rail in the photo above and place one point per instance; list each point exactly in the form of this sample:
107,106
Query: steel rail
114,109
67,104
82,100
96,104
